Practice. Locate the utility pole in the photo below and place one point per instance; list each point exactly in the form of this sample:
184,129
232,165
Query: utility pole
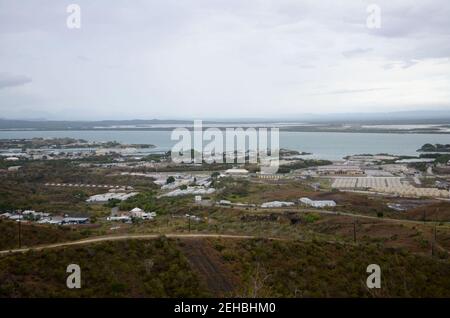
189,224
20,229
433,243
189,220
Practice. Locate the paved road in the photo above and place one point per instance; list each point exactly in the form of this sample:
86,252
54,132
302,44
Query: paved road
129,237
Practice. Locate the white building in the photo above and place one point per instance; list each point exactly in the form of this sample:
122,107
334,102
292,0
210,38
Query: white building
35,214
339,170
72,220
137,213
224,202
318,203
122,218
196,190
141,214
108,196
51,220
272,176
236,172
276,204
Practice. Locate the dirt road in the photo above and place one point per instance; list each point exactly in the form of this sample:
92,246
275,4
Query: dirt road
128,237
339,213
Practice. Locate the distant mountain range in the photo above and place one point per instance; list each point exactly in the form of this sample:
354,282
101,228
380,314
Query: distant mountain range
405,117
413,117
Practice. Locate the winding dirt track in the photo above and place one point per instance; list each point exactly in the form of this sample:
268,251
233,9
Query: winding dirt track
180,235
340,213
129,237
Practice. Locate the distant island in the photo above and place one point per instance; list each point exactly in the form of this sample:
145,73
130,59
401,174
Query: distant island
421,122
65,143
435,148
290,153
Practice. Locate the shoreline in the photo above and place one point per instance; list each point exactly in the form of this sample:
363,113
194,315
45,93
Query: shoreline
163,129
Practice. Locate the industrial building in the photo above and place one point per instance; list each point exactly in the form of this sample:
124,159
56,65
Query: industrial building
388,185
277,204
317,203
237,172
366,182
410,191
349,170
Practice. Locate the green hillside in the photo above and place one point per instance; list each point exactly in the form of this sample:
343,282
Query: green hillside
209,267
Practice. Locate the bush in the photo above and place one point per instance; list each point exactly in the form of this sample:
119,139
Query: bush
170,179
311,217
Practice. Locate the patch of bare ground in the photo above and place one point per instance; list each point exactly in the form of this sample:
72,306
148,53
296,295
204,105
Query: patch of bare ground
416,238
439,212
355,202
209,266
281,193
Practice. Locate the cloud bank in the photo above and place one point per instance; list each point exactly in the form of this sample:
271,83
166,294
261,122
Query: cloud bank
222,58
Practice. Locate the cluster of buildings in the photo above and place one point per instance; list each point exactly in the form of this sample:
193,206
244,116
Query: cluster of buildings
317,203
237,204
82,185
337,170
195,190
366,182
411,191
43,218
284,204
66,148
127,217
184,184
48,154
304,201
27,215
105,197
389,185
124,162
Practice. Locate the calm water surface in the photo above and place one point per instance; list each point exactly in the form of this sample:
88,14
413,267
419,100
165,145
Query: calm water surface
323,145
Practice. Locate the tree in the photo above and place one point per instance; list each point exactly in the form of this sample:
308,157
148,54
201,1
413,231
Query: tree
112,203
170,179
215,174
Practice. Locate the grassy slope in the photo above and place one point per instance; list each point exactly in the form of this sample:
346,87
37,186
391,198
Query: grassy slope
34,234
114,269
434,212
297,269
158,268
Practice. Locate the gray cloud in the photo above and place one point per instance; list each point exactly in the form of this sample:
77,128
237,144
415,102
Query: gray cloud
356,52
349,91
9,80
355,91
83,58
401,64
171,58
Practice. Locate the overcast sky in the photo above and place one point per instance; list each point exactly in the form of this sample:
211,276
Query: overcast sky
221,58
